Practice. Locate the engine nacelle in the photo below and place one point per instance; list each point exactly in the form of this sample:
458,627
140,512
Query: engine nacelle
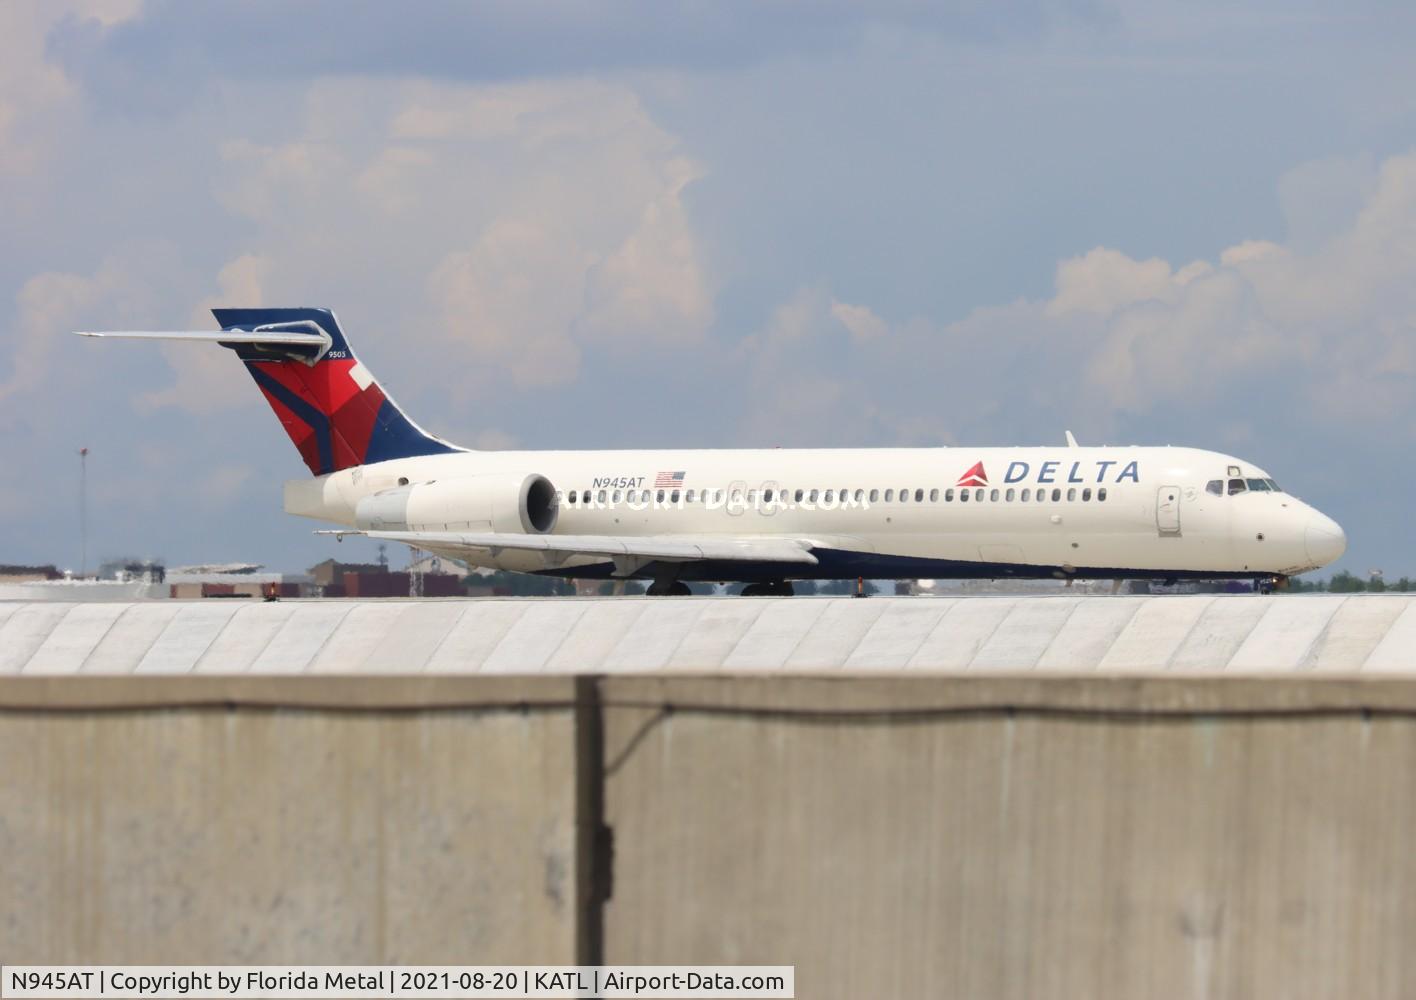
522,504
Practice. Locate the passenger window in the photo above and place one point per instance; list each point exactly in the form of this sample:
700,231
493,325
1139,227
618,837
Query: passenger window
1056,495
1025,496
766,496
904,496
659,497
570,497
1236,486
963,496
1072,495
798,496
674,497
600,496
1101,493
889,496
1008,497
948,496
615,497
585,497
874,495
919,496
829,496
860,496
1086,494
812,496
978,496
933,496
993,495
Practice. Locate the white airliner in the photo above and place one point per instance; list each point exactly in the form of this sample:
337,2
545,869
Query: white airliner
762,516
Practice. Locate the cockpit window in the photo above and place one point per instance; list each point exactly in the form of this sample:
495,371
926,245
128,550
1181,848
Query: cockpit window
1215,486
1236,486
1274,486
1261,485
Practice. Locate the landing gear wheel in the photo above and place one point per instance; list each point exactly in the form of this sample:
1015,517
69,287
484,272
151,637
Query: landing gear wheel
773,588
675,588
1268,584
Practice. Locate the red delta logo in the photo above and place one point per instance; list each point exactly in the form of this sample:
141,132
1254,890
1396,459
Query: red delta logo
976,476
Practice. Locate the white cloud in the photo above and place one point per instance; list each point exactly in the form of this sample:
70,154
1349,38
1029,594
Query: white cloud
498,302
1334,326
37,99
1321,199
1337,319
653,287
862,323
511,224
52,305
208,378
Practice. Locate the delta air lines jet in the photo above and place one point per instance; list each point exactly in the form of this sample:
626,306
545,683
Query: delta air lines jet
762,516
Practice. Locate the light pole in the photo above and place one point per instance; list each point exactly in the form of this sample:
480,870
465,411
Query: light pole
83,512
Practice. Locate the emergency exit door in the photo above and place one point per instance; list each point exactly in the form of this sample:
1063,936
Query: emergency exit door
1167,510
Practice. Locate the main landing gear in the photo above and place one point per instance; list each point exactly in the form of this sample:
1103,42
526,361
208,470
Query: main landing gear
773,588
1268,584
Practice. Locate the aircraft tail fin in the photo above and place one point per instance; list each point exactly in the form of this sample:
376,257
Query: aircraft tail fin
334,411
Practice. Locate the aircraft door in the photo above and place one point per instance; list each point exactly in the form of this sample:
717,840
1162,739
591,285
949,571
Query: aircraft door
1167,510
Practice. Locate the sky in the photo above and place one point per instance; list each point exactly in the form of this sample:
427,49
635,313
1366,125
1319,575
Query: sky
581,225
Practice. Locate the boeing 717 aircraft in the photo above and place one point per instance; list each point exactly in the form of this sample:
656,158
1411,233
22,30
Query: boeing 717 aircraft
764,517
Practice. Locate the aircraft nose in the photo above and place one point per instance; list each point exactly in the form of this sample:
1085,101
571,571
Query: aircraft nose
1324,539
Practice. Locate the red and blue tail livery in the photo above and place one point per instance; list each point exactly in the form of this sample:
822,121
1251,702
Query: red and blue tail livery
336,413
327,401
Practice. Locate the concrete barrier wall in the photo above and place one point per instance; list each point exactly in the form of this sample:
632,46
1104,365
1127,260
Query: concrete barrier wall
1084,847
895,837
258,835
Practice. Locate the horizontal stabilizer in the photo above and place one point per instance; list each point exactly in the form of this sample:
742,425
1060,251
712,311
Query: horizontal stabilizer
301,340
215,336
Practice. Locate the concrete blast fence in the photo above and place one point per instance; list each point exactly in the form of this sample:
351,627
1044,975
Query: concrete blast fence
1044,797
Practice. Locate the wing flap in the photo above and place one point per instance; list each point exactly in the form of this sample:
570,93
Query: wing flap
664,548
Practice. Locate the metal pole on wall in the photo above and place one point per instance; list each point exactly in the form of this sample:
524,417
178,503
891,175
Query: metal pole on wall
83,512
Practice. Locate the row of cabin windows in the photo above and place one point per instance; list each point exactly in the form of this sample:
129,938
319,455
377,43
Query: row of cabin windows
1025,495
1216,486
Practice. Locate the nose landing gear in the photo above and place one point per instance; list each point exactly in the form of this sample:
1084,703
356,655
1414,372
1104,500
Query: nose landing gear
1269,584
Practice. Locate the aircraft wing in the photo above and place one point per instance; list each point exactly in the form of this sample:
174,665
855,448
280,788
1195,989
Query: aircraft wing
629,552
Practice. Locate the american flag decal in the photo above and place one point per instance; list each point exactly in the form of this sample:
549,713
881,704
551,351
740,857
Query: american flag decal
668,479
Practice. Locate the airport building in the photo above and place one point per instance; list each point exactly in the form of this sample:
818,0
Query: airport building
1017,797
